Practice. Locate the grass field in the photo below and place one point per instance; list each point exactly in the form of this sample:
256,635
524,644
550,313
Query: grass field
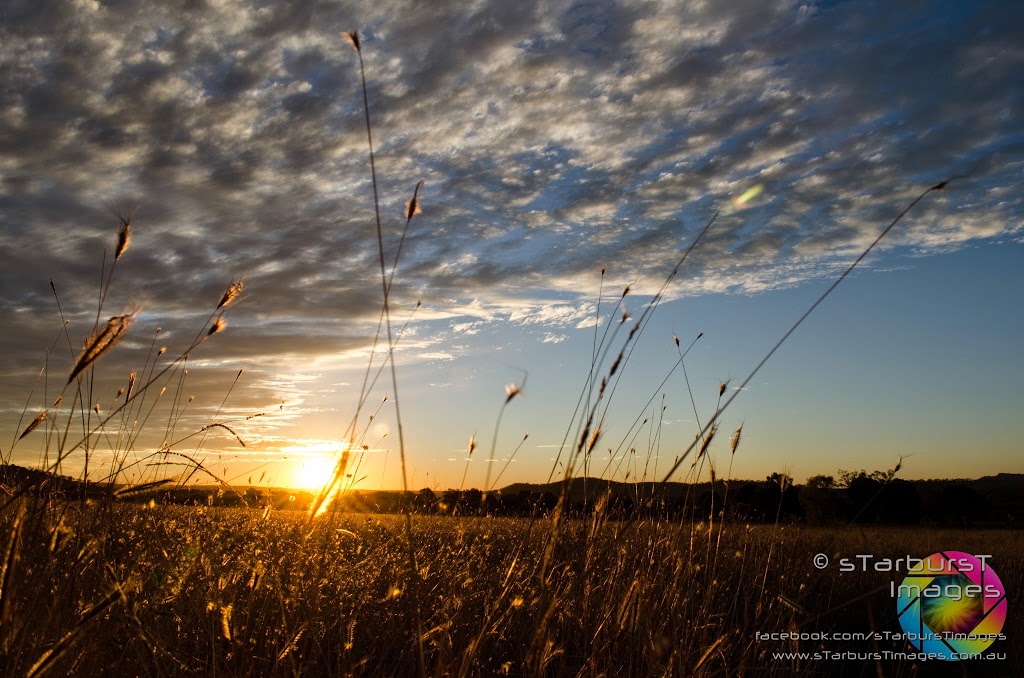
199,591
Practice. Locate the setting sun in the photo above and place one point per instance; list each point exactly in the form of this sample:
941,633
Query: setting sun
311,473
310,463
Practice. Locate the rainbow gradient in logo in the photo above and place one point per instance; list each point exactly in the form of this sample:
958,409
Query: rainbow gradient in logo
951,604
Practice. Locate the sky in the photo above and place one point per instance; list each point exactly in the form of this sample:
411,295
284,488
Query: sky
554,140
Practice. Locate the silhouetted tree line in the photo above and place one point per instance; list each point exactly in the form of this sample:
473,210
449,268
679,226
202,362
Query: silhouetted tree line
850,497
859,497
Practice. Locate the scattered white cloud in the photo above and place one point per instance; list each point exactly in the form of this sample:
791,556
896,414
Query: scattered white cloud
553,314
554,139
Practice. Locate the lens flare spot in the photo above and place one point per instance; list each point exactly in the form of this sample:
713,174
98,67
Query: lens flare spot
740,201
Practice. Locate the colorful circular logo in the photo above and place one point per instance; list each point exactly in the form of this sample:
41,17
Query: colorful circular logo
951,604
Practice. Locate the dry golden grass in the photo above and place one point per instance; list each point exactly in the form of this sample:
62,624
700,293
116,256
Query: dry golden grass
173,590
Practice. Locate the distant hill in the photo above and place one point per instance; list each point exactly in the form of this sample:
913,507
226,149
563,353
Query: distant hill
1001,480
597,486
593,488
990,500
13,477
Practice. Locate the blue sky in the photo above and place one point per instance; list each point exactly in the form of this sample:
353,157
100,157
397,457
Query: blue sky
554,140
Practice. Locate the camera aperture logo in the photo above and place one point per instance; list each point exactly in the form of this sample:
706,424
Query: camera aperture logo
951,604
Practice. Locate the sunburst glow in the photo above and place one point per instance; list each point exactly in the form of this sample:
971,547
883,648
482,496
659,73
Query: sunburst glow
312,463
312,473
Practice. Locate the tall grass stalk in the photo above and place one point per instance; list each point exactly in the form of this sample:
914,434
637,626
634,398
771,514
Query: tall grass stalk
411,210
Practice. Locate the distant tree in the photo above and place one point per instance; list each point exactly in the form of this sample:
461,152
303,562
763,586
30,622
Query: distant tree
958,504
741,501
492,504
776,497
406,502
471,500
426,501
256,497
517,503
899,503
821,500
450,501
821,482
862,491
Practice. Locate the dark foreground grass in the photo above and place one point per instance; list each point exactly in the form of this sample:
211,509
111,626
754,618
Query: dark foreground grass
185,591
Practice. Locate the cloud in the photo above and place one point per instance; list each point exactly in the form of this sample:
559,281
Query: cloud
552,314
468,329
554,139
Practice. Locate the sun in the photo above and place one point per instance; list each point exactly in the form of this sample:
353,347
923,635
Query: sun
309,463
313,472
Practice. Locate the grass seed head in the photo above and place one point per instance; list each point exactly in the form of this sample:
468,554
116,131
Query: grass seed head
124,236
352,37
231,293
34,424
615,365
124,231
217,326
735,442
101,342
707,441
412,206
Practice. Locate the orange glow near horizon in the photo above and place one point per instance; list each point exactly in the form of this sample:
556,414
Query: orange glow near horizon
312,473
312,463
